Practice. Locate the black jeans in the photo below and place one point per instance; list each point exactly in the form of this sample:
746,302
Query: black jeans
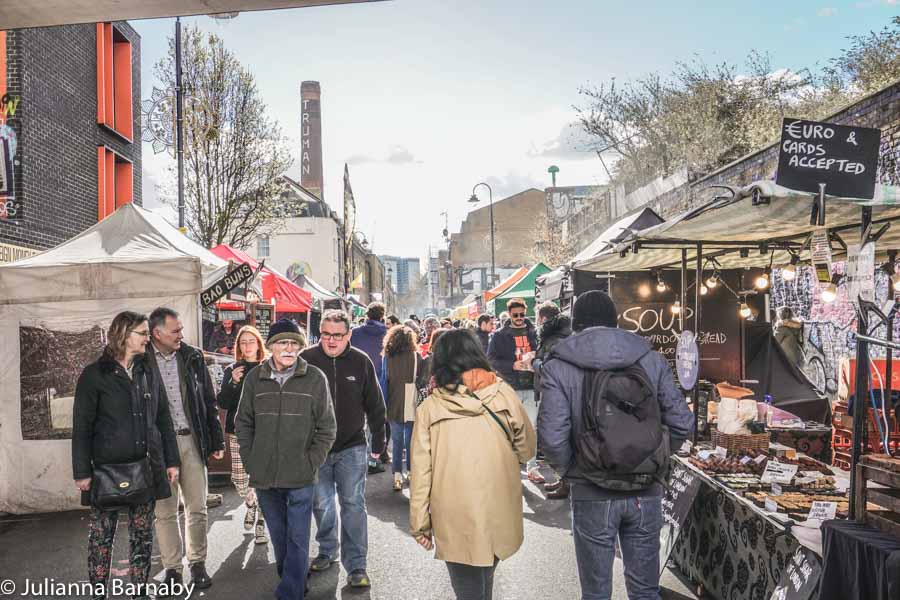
472,583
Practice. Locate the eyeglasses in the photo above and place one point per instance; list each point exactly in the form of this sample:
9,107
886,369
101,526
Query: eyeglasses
520,315
333,336
140,333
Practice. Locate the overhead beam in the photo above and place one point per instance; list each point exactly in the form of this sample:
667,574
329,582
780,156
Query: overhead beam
15,14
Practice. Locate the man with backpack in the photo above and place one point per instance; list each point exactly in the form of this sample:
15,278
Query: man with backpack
610,417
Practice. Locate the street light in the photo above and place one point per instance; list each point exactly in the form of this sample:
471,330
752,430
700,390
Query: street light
474,200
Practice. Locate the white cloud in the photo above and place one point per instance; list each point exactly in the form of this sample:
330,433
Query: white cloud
572,143
827,12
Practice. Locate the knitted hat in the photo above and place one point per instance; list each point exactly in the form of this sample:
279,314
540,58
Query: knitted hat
285,329
592,309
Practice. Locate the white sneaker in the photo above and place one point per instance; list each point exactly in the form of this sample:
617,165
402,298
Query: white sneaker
250,517
261,536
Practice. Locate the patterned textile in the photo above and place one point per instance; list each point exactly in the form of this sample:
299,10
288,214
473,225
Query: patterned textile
734,553
815,443
103,524
239,476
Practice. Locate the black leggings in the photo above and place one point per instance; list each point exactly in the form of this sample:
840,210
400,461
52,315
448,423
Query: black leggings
472,583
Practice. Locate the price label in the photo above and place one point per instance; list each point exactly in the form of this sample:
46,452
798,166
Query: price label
771,505
776,489
722,452
823,511
704,455
804,480
746,460
777,472
812,474
759,459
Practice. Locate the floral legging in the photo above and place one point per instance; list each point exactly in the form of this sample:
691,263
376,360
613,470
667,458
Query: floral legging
103,524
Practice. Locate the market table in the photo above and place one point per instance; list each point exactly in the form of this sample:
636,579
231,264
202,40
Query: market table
735,549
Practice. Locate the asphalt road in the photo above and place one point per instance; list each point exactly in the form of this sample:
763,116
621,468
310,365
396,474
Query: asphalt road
53,546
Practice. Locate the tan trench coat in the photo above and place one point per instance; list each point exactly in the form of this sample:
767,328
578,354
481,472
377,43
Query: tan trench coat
465,484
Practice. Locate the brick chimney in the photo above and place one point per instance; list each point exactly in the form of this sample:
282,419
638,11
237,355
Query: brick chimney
311,137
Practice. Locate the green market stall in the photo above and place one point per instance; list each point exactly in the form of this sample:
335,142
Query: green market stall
523,288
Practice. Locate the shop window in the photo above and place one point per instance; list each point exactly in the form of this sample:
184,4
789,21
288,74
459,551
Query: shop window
115,182
114,94
262,246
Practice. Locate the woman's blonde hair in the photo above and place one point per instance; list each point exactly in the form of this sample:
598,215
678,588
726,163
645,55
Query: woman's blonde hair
260,347
122,325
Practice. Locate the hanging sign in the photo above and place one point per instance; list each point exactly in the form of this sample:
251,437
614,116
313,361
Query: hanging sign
683,487
820,247
861,272
687,360
843,158
263,316
232,279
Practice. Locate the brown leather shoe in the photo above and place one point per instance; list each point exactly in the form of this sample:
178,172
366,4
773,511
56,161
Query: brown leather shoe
561,493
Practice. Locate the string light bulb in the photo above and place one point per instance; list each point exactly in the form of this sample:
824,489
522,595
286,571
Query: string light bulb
895,282
789,273
676,308
762,281
660,284
745,311
829,293
703,290
712,282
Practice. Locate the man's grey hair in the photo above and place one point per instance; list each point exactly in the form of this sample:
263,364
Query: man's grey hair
159,315
431,320
335,315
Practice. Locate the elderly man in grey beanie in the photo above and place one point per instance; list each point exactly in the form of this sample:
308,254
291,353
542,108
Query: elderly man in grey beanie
285,427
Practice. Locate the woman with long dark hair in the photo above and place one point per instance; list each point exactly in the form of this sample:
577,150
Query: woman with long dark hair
122,433
470,436
401,372
249,351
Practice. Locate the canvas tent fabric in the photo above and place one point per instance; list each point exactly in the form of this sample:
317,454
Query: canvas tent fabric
725,221
523,288
620,230
288,296
505,284
54,311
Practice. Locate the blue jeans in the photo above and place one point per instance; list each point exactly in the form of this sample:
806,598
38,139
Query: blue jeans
402,440
595,526
288,515
344,472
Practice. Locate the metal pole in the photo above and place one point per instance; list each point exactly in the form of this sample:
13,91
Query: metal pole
697,323
860,408
179,124
683,287
491,204
889,356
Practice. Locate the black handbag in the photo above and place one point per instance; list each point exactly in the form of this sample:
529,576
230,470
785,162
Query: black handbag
121,485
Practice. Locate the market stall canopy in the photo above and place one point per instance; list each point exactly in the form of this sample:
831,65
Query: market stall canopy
318,292
131,253
505,284
524,289
289,297
620,230
761,212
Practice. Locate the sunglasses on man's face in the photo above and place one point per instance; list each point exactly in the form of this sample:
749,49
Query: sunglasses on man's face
520,315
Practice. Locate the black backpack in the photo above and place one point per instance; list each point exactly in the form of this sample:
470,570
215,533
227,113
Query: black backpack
624,446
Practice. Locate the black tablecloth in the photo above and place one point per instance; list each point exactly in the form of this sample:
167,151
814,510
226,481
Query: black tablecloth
859,563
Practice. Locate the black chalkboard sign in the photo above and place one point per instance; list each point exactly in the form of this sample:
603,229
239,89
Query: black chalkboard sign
800,577
232,279
263,315
843,158
682,489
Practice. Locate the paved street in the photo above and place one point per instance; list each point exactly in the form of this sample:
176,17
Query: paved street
53,546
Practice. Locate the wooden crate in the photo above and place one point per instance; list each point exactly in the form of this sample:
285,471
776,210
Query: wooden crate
885,470
737,443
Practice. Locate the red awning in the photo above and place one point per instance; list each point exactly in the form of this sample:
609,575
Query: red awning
289,297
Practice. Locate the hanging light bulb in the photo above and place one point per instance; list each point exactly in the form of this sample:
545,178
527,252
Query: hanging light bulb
789,273
895,282
660,284
745,311
829,293
703,290
762,280
713,281
676,308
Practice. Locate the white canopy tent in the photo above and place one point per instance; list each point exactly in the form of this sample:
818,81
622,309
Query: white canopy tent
54,311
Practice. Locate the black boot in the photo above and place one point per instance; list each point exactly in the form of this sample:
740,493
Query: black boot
199,577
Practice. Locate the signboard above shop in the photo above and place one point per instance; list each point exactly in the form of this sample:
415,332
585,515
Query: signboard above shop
841,157
232,279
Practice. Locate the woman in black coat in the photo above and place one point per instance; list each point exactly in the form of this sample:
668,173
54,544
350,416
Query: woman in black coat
249,351
106,430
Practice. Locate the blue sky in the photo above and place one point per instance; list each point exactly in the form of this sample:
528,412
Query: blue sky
425,98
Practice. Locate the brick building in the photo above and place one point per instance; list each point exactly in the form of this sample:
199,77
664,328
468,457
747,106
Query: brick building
71,145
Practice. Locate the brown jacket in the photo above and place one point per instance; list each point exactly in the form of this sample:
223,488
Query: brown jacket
466,489
400,371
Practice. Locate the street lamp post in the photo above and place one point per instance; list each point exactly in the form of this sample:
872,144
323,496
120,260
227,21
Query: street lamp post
474,200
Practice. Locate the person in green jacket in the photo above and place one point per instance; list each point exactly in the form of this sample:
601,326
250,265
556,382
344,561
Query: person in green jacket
285,427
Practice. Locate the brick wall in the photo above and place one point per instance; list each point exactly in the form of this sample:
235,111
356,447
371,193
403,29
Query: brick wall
54,72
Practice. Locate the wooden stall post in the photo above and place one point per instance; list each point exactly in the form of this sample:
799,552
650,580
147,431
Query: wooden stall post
697,322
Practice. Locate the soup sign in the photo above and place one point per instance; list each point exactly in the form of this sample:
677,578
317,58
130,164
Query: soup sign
843,158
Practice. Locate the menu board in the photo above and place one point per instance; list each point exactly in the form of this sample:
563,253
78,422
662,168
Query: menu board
800,577
263,315
682,489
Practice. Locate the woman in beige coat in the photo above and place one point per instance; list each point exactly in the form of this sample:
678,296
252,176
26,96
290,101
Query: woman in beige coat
469,439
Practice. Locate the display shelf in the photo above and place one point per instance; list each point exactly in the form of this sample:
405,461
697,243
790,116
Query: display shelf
884,470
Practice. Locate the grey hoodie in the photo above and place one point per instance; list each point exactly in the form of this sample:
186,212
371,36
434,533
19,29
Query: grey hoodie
562,378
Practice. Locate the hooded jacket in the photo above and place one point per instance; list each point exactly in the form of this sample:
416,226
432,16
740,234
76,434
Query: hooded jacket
552,332
562,379
284,431
369,338
355,393
465,486
502,353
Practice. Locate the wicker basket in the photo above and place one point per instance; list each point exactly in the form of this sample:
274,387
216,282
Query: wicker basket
738,443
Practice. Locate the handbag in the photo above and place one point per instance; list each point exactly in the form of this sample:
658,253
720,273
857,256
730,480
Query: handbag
411,395
121,485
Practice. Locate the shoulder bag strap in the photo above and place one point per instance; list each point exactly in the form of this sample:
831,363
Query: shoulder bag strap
497,420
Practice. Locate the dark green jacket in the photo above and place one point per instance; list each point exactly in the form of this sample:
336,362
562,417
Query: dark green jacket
284,433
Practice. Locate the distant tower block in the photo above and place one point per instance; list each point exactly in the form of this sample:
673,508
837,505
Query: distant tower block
311,137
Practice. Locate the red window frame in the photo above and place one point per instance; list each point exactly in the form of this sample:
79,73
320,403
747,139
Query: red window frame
114,94
115,182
